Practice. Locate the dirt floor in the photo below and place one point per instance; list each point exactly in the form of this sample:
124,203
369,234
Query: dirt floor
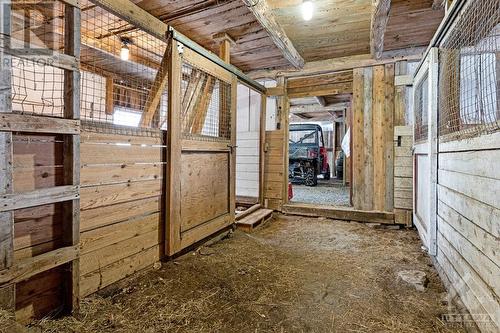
293,274
328,192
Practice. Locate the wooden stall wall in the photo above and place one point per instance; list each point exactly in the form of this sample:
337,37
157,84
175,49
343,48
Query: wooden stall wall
276,154
403,175
121,205
468,216
37,164
248,145
372,138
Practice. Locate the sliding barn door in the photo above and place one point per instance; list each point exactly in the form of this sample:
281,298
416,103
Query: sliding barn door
202,148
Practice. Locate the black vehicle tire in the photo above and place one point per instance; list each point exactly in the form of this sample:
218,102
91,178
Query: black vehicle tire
311,178
326,176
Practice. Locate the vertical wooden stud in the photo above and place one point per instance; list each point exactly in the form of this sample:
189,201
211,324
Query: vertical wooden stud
232,166
389,138
378,138
7,292
174,150
262,146
109,96
368,139
357,184
433,147
71,219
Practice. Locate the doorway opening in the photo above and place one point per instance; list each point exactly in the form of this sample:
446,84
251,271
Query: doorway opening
319,145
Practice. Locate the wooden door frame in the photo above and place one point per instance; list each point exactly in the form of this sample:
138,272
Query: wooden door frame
430,69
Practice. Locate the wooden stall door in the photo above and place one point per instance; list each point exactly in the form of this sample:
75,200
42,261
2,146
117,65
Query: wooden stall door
202,161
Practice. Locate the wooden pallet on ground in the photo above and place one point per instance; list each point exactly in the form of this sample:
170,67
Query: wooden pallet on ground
253,220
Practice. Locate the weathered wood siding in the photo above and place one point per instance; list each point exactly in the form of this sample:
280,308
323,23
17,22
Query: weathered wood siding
372,138
37,164
121,204
468,216
274,169
403,174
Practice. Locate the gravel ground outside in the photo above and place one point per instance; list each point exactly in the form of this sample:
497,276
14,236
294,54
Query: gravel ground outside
293,274
325,193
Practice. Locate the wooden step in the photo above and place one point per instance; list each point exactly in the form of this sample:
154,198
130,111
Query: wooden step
253,220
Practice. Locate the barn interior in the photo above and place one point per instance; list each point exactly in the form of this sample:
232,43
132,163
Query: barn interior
150,180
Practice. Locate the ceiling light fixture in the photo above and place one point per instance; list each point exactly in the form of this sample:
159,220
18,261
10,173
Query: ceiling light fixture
124,51
307,10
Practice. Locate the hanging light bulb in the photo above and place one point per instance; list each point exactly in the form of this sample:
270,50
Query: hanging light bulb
124,52
307,10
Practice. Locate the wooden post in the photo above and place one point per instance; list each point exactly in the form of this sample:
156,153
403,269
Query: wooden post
7,293
174,151
433,147
225,45
109,96
262,147
71,220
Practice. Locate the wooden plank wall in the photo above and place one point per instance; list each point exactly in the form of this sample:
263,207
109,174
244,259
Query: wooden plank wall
468,223
403,174
372,138
37,164
274,169
121,205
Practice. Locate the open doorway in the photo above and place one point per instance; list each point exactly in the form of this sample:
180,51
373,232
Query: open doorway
319,166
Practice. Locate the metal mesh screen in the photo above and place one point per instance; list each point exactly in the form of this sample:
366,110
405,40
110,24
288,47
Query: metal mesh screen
421,109
470,73
37,36
119,64
114,88
205,105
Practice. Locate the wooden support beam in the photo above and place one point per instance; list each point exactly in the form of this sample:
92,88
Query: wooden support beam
336,64
156,91
225,43
309,108
202,105
7,292
322,90
321,100
109,102
380,17
11,122
71,161
264,14
174,151
130,12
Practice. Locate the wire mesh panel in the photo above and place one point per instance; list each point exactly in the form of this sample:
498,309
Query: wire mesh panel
119,65
37,37
421,111
469,73
205,105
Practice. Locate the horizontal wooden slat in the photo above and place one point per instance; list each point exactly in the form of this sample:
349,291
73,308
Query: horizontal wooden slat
38,197
32,266
118,154
113,174
97,137
106,215
103,195
12,122
58,60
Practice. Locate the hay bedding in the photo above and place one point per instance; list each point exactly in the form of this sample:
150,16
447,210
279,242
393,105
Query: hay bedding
292,275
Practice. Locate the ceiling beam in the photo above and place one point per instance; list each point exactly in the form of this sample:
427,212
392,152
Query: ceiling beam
321,100
263,13
312,108
380,17
334,65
